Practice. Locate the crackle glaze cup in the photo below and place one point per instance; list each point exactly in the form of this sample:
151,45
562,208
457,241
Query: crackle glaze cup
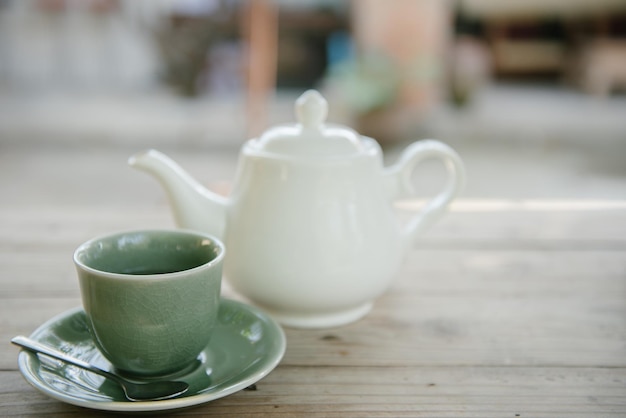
151,297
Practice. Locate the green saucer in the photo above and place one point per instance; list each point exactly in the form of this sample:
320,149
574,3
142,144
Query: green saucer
246,345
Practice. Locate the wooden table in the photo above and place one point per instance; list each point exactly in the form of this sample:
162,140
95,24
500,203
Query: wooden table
504,309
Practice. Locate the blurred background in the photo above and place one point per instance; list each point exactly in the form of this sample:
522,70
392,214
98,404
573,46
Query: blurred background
529,92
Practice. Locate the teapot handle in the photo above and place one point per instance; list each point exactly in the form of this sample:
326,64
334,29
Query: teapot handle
398,177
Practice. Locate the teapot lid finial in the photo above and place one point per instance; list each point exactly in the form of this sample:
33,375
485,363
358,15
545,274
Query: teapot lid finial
311,109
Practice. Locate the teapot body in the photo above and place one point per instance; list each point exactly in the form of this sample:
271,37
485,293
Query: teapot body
313,241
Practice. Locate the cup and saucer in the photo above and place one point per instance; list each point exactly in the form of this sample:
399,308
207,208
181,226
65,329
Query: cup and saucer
245,346
152,307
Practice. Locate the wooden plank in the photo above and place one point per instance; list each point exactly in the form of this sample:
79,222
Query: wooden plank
456,273
445,308
528,225
386,392
33,228
22,317
78,222
494,318
554,312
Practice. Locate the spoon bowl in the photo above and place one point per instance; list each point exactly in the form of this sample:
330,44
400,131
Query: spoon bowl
151,391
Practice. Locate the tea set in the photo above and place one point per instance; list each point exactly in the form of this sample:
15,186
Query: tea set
308,236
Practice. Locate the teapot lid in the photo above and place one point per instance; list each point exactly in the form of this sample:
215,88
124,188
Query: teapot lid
311,136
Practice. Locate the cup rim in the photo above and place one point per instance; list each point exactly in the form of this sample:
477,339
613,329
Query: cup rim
152,277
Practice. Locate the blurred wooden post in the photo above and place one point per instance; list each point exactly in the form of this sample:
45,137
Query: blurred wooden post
414,35
260,28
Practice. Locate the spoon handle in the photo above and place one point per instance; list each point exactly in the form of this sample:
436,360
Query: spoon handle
37,347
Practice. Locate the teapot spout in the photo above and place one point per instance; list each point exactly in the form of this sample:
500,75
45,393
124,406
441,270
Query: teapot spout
194,206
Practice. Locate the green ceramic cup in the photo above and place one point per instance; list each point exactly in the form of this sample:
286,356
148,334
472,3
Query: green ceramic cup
151,297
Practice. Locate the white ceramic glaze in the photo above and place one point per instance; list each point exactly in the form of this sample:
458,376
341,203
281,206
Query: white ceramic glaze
309,227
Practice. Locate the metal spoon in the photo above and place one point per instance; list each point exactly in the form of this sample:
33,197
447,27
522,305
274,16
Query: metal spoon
150,391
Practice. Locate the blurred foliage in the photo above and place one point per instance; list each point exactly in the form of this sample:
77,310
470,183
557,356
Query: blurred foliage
369,82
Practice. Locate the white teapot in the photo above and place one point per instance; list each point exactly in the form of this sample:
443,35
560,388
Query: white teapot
310,231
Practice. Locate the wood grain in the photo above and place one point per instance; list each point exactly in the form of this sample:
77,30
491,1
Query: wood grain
391,392
493,314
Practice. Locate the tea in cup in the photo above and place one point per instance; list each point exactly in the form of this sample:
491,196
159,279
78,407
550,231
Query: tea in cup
151,297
